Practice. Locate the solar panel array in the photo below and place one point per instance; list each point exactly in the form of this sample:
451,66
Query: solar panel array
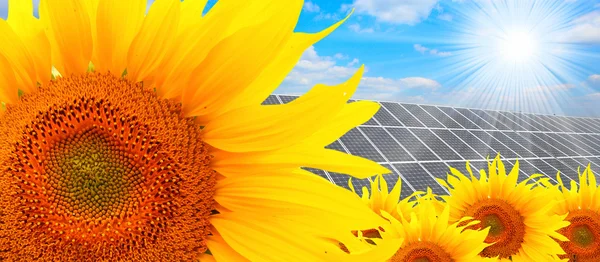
419,142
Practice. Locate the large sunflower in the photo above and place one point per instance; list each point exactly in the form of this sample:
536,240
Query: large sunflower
148,141
582,207
426,234
516,213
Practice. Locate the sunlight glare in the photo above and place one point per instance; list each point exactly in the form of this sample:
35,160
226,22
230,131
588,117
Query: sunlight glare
517,46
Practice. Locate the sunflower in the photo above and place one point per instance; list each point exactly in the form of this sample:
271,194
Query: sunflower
425,234
381,199
582,207
516,213
133,136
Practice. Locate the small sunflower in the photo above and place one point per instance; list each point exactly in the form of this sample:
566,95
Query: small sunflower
582,207
134,137
426,234
381,199
516,213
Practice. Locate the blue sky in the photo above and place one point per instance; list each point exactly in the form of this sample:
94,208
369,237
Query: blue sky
521,55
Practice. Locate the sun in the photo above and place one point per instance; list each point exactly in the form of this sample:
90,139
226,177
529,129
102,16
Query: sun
511,54
517,46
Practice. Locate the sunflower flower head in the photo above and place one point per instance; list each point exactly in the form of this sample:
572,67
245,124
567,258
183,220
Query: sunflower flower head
516,214
426,234
582,204
129,136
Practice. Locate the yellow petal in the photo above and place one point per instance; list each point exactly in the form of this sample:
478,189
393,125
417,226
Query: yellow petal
69,30
230,164
118,23
247,52
298,194
17,55
221,251
156,35
262,237
191,13
272,76
9,93
259,128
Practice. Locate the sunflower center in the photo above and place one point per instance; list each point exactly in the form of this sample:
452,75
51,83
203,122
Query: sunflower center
421,252
583,233
99,165
507,227
92,175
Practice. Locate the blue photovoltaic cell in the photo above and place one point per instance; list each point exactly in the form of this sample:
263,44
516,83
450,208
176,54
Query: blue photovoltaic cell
406,118
419,178
423,116
412,144
287,99
386,144
391,180
271,100
358,145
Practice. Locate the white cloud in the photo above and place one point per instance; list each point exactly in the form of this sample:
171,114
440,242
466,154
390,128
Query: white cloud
353,62
327,16
311,7
445,17
397,85
314,68
420,48
585,29
438,53
357,28
340,56
396,11
594,80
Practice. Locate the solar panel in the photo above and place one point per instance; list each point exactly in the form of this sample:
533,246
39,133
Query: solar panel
423,116
385,118
418,143
438,146
357,144
402,115
441,116
419,178
459,118
417,149
390,148
475,119
271,100
492,118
